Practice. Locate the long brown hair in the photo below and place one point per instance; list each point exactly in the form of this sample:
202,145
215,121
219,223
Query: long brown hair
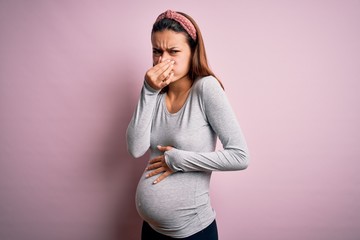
199,65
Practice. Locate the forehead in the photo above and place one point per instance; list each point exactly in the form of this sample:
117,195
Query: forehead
168,38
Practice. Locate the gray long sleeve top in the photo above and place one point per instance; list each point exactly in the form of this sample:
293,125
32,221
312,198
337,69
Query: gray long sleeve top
179,206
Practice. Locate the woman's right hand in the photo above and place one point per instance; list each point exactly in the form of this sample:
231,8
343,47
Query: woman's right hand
160,75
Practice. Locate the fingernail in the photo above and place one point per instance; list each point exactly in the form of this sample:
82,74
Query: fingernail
155,182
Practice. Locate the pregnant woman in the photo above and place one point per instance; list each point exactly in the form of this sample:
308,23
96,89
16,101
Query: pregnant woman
181,111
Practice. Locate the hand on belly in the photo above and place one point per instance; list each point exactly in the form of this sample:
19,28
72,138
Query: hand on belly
159,166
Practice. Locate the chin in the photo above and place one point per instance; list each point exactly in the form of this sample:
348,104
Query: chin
175,78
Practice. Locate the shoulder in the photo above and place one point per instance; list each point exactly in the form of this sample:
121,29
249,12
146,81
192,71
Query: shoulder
206,85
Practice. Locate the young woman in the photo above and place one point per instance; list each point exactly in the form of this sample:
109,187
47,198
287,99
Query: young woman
181,112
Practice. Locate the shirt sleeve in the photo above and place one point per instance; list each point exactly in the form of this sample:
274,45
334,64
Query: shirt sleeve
139,128
222,119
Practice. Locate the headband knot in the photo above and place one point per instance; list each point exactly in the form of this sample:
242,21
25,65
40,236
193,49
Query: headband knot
181,19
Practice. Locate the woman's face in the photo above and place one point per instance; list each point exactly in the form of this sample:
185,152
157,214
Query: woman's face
171,45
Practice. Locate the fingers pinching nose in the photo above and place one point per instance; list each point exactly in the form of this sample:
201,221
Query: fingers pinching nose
169,60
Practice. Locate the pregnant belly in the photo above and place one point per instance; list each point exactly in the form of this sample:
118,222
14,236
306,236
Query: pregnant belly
174,201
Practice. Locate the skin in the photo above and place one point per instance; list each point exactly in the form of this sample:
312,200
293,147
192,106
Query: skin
171,65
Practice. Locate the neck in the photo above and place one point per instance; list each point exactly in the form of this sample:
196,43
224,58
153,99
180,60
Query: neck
177,94
179,87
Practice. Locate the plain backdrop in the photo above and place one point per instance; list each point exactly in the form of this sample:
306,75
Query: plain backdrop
71,74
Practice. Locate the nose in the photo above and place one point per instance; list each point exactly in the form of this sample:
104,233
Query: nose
165,56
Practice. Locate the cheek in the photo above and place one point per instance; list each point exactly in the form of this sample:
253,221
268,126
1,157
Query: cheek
155,60
181,65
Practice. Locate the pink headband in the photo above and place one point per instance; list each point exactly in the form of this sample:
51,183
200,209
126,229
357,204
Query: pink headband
184,22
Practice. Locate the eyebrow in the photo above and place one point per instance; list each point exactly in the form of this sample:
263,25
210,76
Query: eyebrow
171,48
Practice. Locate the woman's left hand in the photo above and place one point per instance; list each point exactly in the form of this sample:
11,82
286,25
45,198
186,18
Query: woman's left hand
159,165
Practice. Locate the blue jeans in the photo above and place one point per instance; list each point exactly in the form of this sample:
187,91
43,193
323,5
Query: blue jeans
209,233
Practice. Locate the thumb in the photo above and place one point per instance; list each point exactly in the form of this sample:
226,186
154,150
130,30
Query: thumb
164,148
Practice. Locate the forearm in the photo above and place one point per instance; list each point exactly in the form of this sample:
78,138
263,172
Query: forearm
138,131
222,160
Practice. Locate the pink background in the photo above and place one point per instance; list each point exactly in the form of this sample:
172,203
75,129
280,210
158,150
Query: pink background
70,76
